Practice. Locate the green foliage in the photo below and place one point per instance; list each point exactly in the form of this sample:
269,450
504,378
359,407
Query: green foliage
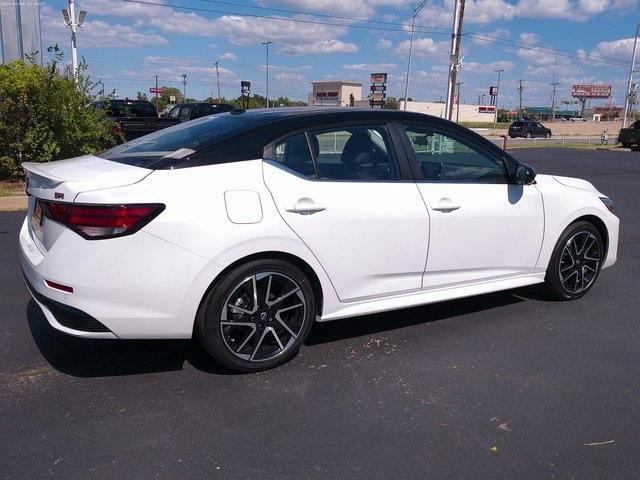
44,115
162,101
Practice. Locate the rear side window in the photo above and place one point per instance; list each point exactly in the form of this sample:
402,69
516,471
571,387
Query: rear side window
358,153
294,154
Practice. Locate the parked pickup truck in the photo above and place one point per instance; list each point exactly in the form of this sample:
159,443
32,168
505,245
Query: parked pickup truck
133,118
184,112
630,137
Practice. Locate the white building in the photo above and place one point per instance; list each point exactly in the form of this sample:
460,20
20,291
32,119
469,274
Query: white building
468,113
334,94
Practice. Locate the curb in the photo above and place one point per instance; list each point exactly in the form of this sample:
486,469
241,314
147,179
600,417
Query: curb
14,203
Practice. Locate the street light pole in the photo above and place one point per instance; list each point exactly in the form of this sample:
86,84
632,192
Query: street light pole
520,89
416,11
218,79
553,101
73,23
495,117
633,66
184,87
458,102
267,45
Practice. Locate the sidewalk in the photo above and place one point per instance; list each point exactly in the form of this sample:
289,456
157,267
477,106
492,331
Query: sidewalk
13,203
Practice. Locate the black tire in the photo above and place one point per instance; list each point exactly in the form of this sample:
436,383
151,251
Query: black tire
547,135
216,334
529,135
560,281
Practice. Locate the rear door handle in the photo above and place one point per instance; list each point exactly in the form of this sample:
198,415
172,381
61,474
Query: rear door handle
305,210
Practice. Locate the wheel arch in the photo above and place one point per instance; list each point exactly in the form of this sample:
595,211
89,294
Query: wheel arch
602,228
309,272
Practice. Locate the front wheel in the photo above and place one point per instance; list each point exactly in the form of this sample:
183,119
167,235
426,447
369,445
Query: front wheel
576,261
257,315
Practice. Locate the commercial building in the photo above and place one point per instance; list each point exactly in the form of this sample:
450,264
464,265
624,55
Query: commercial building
334,94
461,112
20,31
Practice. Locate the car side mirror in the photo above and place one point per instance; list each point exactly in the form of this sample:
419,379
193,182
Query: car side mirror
525,175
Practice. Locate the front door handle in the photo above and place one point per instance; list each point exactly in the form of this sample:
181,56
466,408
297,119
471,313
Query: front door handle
445,205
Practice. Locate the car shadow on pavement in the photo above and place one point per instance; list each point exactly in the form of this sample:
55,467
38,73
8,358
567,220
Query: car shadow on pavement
82,357
381,322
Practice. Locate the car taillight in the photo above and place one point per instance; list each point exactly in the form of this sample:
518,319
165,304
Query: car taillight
95,222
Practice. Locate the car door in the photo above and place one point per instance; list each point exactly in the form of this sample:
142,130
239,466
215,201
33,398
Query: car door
342,192
482,227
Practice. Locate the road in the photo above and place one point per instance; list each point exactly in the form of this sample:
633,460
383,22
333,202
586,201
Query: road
502,386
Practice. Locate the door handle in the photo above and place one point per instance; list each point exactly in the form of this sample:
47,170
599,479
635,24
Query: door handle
305,206
445,205
306,210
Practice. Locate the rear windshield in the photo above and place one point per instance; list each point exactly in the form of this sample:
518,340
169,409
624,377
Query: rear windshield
173,144
128,109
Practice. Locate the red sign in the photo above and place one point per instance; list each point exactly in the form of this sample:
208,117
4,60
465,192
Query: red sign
591,91
156,90
486,109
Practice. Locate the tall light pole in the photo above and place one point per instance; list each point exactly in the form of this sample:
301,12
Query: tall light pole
73,23
633,65
184,87
495,117
266,44
520,89
218,79
458,102
416,11
553,101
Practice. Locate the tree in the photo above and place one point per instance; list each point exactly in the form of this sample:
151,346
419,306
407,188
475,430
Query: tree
163,100
141,96
45,115
352,100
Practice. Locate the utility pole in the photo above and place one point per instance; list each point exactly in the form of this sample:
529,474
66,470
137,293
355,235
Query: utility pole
495,103
184,87
520,89
156,93
458,102
218,79
416,11
73,23
267,45
553,101
454,58
479,97
633,66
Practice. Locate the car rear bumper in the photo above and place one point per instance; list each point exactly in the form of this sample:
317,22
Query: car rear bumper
134,287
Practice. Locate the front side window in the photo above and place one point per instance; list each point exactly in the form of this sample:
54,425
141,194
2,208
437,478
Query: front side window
358,153
444,158
175,111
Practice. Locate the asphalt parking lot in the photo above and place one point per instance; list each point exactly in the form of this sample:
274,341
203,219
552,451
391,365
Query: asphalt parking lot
502,386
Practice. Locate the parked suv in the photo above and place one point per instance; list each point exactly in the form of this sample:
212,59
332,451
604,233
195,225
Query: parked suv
528,129
183,112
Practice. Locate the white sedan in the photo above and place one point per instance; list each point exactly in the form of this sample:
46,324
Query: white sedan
243,228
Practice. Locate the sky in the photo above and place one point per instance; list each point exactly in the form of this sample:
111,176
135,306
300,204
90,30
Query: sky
127,43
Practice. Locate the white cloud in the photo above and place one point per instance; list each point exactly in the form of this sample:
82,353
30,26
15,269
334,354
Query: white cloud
530,38
384,44
228,56
353,8
289,77
321,47
477,67
370,67
488,37
423,48
621,49
96,33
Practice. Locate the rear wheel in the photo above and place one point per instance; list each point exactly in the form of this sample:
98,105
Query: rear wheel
257,315
576,261
528,134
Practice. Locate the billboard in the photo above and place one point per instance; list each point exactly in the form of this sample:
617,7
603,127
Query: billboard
591,91
378,78
493,91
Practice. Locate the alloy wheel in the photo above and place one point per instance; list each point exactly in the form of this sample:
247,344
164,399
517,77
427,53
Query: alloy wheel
579,262
263,316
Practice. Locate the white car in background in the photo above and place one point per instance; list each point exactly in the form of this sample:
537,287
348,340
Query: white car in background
244,228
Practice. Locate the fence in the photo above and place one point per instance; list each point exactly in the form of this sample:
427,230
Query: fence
562,142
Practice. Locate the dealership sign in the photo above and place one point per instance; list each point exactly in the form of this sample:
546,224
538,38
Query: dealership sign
591,91
493,91
378,78
378,89
486,109
157,90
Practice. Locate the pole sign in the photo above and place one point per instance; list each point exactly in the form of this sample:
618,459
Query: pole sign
378,89
157,90
493,91
245,92
591,91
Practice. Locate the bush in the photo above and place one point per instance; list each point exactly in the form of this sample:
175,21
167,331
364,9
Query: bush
45,115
